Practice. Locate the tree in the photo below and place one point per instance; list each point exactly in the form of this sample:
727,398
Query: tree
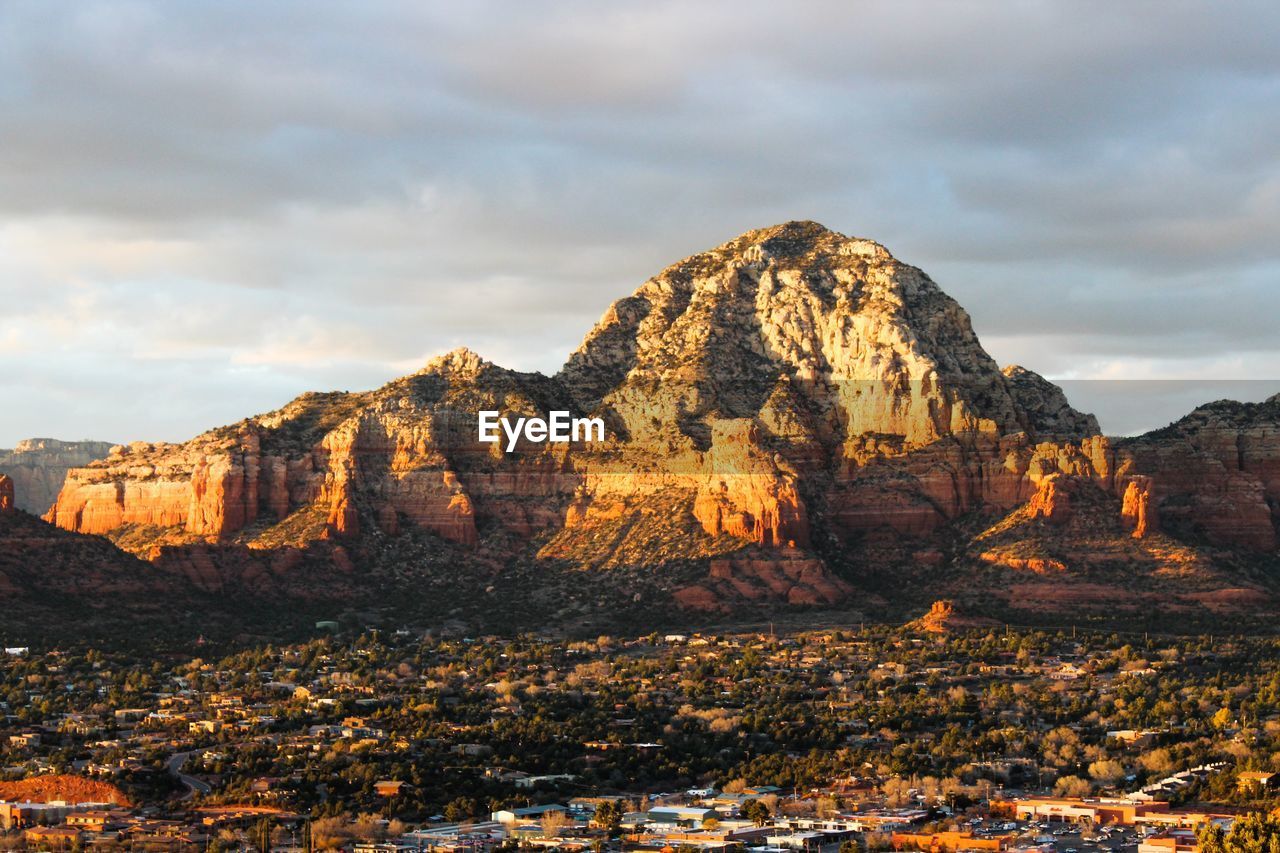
755,811
897,791
1106,771
608,816
1158,761
1253,833
1072,786
459,809
552,822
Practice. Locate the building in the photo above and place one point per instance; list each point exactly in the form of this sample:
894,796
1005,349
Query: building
510,816
1170,841
1256,781
949,842
688,816
1100,811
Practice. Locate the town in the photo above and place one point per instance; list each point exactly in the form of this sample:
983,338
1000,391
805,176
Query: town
871,738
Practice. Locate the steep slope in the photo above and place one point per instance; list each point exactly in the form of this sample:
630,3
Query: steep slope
39,467
61,587
782,365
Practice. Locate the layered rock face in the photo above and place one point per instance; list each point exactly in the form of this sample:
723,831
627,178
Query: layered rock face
407,453
823,339
1215,473
790,391
1052,501
746,494
39,467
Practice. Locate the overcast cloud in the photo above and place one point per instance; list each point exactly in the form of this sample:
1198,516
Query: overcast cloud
209,207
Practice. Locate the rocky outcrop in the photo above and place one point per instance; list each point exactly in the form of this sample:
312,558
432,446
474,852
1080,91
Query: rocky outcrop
208,488
943,618
1138,509
820,337
407,453
1052,500
38,467
6,494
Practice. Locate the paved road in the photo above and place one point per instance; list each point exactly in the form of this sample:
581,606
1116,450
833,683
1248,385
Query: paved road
193,785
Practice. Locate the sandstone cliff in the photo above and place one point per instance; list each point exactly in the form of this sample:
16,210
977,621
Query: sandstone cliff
39,467
785,413
405,454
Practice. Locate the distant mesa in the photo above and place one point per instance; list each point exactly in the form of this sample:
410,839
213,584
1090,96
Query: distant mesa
38,467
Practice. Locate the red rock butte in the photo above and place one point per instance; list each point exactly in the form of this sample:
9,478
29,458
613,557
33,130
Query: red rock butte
789,387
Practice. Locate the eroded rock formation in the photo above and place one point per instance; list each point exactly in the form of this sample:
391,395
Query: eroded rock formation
789,391
1052,501
1139,509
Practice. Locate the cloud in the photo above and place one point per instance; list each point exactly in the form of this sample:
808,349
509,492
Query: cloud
220,205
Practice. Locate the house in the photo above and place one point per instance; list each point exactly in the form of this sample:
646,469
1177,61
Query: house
1256,781
509,816
534,781
688,816
390,788
97,820
1133,738
25,739
52,837
264,785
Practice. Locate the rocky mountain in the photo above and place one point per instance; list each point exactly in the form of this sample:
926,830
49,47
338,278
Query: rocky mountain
793,418
38,467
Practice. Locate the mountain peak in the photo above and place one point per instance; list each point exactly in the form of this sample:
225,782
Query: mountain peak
871,341
803,237
794,244
462,361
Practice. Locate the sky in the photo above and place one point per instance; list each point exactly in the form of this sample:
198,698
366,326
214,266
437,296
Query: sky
207,208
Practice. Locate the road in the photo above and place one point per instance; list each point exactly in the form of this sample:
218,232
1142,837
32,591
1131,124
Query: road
192,784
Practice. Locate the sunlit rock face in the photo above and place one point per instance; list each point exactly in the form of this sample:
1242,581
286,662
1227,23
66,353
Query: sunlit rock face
790,393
